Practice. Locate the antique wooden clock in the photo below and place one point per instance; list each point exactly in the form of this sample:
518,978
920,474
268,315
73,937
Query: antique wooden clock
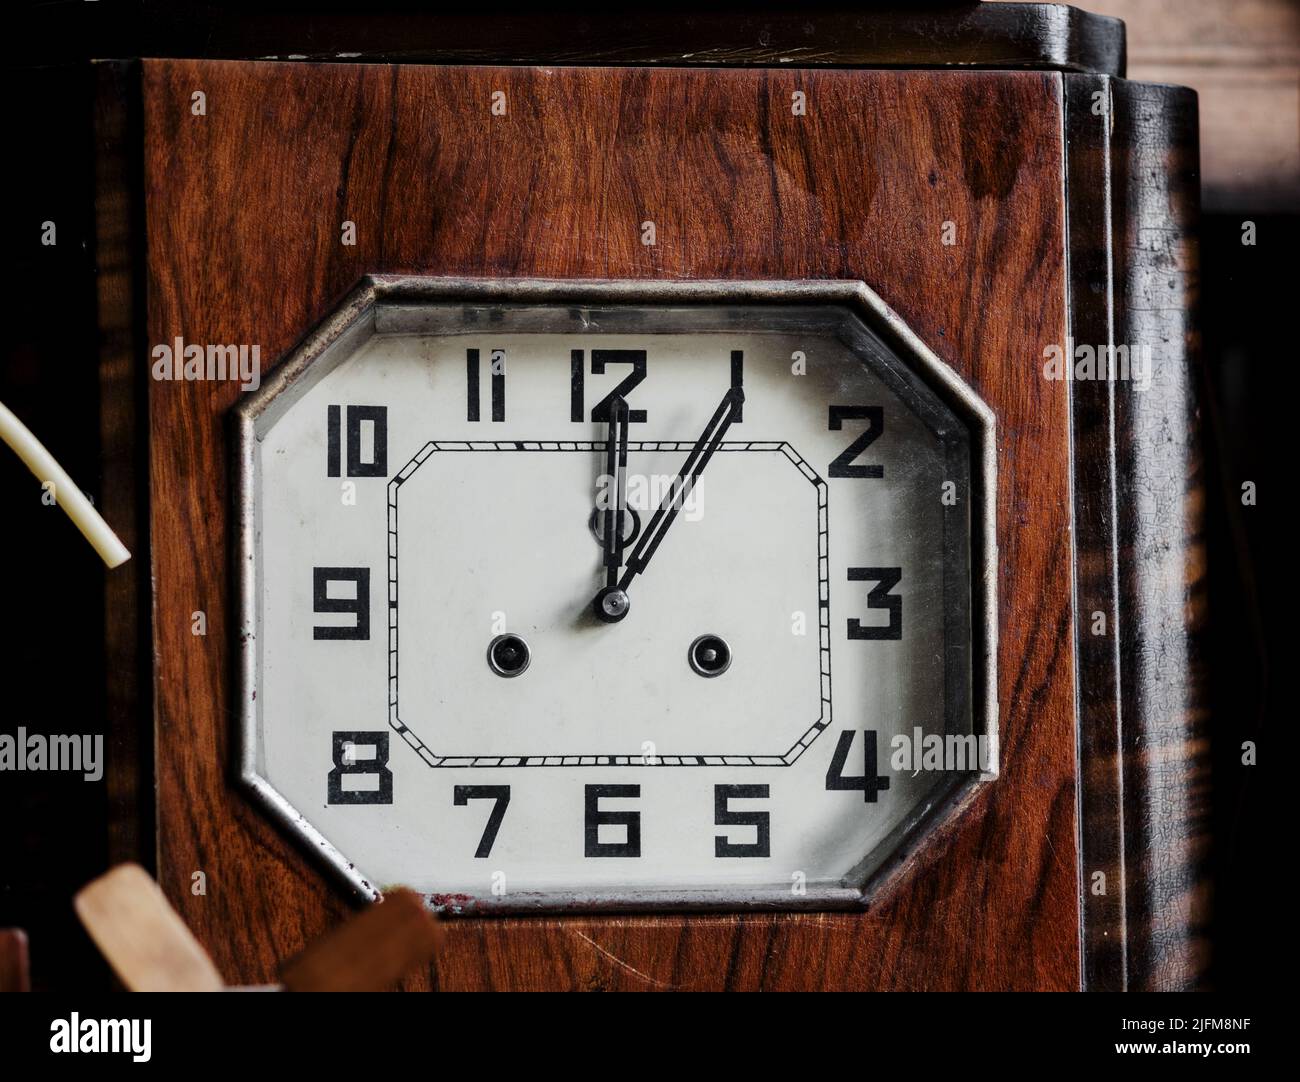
709,505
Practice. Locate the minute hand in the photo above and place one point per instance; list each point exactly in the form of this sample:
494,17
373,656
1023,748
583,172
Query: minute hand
683,483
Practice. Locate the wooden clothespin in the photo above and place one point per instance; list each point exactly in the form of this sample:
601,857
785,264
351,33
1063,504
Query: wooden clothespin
15,973
150,949
142,936
370,952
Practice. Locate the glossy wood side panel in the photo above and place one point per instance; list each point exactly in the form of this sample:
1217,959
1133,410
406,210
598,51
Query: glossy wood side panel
1092,321
245,208
1155,204
1132,194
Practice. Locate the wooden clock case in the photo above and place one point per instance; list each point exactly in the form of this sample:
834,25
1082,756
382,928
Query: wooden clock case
1072,194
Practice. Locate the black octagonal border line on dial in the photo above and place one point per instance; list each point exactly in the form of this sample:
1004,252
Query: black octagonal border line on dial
662,759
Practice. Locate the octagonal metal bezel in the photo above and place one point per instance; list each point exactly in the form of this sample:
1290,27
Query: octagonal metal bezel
348,327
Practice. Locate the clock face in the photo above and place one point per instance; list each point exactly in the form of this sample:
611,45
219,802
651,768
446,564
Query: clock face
635,601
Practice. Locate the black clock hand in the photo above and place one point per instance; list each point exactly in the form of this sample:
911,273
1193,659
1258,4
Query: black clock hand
616,471
612,603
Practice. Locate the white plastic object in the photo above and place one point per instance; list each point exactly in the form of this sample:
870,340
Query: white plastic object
66,494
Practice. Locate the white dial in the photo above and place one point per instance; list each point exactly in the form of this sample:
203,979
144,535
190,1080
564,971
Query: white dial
466,684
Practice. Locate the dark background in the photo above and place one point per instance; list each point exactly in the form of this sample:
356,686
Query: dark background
53,835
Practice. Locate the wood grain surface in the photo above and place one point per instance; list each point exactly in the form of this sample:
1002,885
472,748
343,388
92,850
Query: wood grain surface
15,966
371,951
1160,529
123,408
244,210
1139,538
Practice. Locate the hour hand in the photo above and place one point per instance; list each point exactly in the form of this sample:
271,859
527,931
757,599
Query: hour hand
611,603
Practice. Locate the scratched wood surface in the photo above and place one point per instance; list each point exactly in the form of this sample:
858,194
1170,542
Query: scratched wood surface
1140,540
244,208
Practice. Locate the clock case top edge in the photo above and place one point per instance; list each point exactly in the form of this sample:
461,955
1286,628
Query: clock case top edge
1007,36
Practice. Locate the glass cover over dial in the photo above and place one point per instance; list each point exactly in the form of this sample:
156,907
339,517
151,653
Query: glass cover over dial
633,601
